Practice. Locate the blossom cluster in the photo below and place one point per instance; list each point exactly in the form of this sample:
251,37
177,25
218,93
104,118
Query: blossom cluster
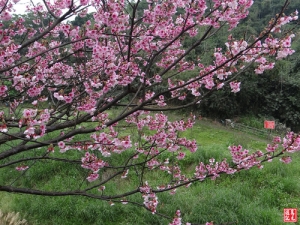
91,162
150,198
178,220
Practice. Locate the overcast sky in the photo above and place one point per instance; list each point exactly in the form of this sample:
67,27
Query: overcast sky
20,7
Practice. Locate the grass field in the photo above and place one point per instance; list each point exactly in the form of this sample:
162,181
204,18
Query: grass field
254,197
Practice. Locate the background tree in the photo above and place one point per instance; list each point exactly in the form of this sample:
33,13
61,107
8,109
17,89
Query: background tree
270,95
69,91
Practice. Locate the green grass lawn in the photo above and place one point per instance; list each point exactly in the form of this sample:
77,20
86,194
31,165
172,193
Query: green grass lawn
254,197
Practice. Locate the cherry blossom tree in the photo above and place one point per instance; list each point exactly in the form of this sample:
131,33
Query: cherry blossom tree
70,94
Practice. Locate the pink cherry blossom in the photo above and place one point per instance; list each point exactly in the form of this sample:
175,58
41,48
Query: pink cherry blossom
92,177
235,86
22,168
3,128
181,155
150,201
3,90
29,113
62,146
209,223
177,219
125,173
286,159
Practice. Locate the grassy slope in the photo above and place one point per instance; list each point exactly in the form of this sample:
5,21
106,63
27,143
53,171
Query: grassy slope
250,197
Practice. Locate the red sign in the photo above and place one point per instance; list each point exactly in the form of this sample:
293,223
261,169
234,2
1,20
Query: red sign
269,124
290,215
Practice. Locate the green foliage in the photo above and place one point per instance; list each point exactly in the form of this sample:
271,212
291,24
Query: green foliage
252,121
80,21
221,104
273,94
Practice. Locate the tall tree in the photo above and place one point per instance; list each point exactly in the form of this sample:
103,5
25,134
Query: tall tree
66,89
